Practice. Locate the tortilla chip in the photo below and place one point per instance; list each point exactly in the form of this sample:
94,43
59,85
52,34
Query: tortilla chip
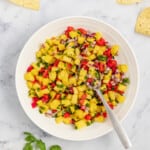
32,4
127,2
143,22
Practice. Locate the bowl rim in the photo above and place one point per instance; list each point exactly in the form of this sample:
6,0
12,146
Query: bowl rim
92,19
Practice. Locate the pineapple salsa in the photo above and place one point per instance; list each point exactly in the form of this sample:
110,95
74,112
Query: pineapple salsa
64,64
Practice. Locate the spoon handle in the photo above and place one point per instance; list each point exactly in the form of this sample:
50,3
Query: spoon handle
116,124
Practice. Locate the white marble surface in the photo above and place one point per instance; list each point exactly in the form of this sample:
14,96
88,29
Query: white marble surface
18,24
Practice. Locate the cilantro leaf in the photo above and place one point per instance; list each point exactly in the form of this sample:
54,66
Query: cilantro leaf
40,144
55,147
27,146
125,81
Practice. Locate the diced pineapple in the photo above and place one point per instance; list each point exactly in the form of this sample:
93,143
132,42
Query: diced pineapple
103,87
43,108
35,86
66,102
123,68
89,96
118,76
93,100
90,39
54,104
74,99
98,35
28,76
120,98
61,47
72,81
99,119
96,49
39,93
72,109
106,97
29,84
75,90
55,69
45,81
67,120
77,51
91,57
82,74
61,65
49,42
93,107
52,75
101,50
79,114
69,52
80,124
48,59
35,66
38,54
121,87
71,44
56,41
81,40
34,72
112,95
107,77
63,75
59,113
81,88
114,50
73,34
69,96
63,37
59,119
114,103
67,59
46,46
77,61
52,94
103,109
58,56
45,91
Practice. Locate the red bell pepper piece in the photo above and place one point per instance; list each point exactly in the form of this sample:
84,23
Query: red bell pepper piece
107,53
57,96
84,96
101,42
56,63
90,80
105,114
53,85
88,117
111,63
29,68
101,67
83,31
66,115
45,98
69,66
69,29
45,73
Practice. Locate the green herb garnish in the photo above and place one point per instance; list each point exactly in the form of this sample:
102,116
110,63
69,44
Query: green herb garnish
55,147
102,58
125,81
32,143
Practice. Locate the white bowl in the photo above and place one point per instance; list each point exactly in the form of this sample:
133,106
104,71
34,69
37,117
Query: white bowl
27,56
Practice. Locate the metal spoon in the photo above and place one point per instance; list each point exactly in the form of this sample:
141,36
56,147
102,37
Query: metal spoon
114,120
